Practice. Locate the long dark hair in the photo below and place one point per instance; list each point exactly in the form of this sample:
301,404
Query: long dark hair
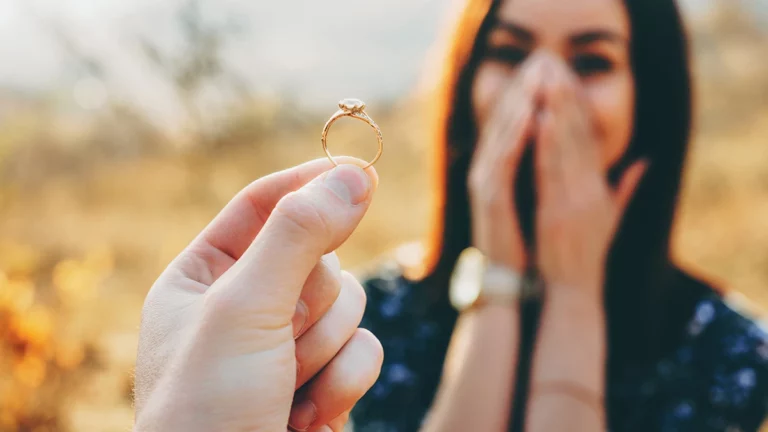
647,299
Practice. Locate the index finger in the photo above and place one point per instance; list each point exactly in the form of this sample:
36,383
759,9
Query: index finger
522,87
265,283
231,232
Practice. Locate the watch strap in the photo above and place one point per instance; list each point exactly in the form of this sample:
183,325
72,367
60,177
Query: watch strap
500,284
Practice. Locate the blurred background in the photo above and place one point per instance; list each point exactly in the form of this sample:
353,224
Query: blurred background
126,125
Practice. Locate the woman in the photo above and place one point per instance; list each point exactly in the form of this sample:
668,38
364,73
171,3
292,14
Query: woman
563,129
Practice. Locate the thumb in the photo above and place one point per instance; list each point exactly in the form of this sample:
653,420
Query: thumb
304,226
628,184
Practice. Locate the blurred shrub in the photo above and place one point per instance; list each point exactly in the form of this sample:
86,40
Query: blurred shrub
45,337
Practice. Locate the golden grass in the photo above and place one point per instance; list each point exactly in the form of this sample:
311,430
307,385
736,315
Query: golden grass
81,246
80,251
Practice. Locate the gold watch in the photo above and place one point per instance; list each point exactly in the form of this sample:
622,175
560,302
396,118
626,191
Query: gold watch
475,281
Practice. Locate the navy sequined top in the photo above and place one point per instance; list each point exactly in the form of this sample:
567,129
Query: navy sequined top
717,380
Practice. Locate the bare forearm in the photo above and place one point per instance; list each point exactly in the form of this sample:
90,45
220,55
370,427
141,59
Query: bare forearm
476,388
568,375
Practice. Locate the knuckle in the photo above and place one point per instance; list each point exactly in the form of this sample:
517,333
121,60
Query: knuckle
224,309
321,289
356,292
328,275
303,214
195,264
361,361
332,284
371,345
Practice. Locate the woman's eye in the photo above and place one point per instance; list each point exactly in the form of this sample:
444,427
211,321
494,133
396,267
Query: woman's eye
509,55
587,65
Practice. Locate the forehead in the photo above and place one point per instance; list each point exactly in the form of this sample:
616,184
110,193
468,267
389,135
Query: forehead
566,17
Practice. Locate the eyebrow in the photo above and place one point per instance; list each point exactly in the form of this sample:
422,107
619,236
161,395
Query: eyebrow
579,39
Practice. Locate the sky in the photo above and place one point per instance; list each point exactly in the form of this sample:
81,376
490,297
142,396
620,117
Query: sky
318,50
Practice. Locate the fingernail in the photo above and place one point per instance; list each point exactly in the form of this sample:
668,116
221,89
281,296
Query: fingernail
299,318
349,182
302,416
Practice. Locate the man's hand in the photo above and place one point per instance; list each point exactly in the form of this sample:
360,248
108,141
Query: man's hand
253,327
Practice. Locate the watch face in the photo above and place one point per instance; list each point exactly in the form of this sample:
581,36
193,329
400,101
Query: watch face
466,279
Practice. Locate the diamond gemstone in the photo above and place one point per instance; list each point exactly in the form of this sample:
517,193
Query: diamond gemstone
352,105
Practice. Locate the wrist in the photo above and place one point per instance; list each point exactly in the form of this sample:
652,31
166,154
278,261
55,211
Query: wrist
577,323
570,312
589,301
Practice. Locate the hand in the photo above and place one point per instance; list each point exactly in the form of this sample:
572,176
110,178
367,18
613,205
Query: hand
257,307
577,213
495,224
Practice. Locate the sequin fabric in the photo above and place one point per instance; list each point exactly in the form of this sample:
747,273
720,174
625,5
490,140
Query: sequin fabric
717,380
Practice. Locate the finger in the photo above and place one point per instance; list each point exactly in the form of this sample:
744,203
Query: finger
510,148
508,120
547,165
231,232
341,383
579,128
511,124
524,84
336,425
265,283
320,291
498,161
558,99
339,423
322,341
628,184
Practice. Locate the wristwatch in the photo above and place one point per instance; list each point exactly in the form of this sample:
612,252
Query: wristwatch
476,281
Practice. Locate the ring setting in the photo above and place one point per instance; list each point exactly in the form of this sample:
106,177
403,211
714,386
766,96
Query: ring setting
354,108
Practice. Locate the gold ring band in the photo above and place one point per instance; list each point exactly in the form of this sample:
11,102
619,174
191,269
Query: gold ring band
356,109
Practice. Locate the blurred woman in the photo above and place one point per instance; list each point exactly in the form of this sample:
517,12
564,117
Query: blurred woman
562,134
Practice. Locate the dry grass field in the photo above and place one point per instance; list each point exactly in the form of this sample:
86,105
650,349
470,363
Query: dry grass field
92,211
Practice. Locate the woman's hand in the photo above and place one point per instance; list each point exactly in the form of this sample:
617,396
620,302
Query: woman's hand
577,217
258,307
495,225
577,212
